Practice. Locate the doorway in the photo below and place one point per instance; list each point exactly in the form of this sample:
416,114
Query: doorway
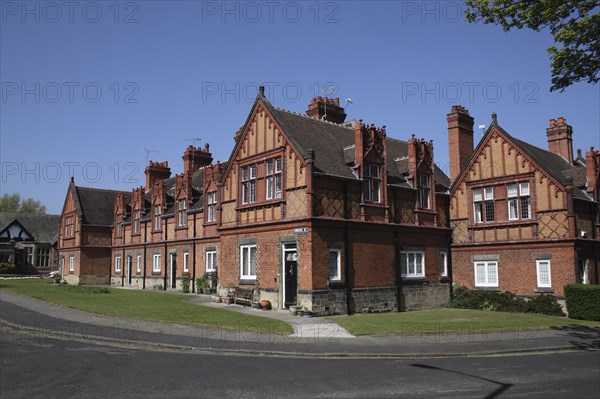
129,269
173,270
290,275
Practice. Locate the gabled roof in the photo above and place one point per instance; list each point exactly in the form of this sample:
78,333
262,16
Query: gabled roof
43,228
333,146
553,164
96,206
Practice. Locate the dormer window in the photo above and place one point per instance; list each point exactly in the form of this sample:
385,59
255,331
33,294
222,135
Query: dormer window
211,207
182,212
249,184
424,191
69,226
157,214
137,214
372,183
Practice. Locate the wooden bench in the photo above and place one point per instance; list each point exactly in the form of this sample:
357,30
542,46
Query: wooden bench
243,296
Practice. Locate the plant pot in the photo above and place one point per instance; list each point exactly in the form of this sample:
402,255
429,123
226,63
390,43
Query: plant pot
216,298
308,314
226,300
265,304
293,310
300,312
256,305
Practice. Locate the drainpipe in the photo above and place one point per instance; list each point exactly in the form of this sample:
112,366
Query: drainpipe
166,260
194,255
398,263
145,247
346,251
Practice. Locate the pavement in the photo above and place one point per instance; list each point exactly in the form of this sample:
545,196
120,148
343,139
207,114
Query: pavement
312,337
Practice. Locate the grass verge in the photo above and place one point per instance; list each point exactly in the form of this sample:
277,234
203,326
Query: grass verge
451,321
143,305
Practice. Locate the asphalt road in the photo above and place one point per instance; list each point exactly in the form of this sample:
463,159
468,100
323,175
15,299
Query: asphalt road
34,366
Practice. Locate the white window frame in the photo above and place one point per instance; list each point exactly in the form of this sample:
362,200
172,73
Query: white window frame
211,205
486,278
273,178
139,263
182,213
72,263
337,269
405,257
246,269
482,196
136,221
211,261
520,192
248,177
157,215
156,263
186,266
118,263
538,266
443,264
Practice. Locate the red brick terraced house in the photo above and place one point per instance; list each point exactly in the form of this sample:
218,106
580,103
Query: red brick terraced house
84,235
524,219
309,209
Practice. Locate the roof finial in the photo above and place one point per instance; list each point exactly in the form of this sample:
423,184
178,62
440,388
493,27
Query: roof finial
72,179
261,90
494,118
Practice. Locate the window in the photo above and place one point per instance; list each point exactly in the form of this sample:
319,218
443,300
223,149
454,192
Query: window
443,264
372,183
424,190
211,261
211,207
137,214
543,273
156,263
186,266
273,178
486,274
118,226
248,261
412,264
43,257
117,263
29,255
72,263
248,184
139,263
157,213
182,213
335,256
519,206
69,226
483,204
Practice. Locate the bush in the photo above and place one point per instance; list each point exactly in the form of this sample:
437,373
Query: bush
583,301
464,298
7,268
86,289
185,284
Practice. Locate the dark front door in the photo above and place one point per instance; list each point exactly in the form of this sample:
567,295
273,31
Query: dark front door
173,271
291,278
129,270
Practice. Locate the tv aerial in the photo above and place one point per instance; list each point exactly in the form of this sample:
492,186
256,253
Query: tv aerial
193,140
148,151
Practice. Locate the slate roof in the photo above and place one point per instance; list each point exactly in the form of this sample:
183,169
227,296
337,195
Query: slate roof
334,147
96,206
44,228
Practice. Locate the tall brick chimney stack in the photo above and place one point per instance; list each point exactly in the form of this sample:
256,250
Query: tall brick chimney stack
460,139
560,138
156,171
195,157
325,108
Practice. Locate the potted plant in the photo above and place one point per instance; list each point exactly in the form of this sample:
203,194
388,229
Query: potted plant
185,284
293,310
201,285
308,313
216,298
256,305
265,304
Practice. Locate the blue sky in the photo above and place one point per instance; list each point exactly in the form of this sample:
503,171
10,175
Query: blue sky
87,85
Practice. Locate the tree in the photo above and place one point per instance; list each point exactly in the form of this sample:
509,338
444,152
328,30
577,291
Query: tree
574,24
13,203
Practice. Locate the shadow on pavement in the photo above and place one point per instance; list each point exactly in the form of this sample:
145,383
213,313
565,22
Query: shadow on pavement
584,337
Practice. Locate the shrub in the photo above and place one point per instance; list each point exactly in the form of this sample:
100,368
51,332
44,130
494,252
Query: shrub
465,298
7,268
583,301
86,289
185,284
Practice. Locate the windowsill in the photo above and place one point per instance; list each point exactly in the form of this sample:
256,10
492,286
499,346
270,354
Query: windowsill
181,228
257,204
544,290
336,283
493,289
156,273
136,234
185,273
247,280
425,210
444,279
210,223
414,280
485,225
373,204
210,272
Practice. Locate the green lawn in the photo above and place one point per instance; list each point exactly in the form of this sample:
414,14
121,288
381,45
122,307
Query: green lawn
451,320
143,305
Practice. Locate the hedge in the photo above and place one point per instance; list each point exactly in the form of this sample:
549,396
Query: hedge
465,298
7,268
583,301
